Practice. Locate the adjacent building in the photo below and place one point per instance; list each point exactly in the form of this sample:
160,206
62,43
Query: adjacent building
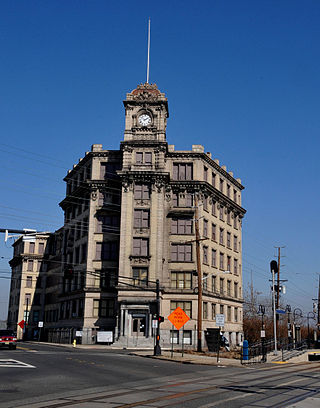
129,220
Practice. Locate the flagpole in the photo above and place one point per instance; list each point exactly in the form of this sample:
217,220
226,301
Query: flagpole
148,61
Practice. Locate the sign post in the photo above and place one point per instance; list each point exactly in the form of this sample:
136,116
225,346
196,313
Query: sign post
178,318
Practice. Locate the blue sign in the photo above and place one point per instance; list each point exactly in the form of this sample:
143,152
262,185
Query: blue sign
280,311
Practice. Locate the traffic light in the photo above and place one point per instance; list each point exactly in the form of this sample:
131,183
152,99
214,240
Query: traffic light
68,273
160,319
274,266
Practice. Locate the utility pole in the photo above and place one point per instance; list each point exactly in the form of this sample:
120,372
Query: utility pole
196,222
274,270
278,286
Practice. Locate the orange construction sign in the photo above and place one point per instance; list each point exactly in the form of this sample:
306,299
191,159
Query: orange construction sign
178,318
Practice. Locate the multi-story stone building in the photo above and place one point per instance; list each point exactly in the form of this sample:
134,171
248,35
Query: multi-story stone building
129,221
26,301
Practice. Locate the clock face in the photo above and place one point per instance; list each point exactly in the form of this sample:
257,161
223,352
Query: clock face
144,119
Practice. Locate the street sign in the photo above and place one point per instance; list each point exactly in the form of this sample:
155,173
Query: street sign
262,333
21,324
154,324
178,318
280,311
220,320
40,324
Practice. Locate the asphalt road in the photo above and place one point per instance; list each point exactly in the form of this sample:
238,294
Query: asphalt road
51,376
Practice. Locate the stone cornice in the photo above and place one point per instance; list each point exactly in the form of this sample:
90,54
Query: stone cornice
206,158
202,187
88,156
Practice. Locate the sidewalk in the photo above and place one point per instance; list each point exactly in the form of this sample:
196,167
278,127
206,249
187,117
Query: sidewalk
189,358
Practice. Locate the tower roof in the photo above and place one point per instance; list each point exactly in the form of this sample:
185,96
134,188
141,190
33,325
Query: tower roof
146,92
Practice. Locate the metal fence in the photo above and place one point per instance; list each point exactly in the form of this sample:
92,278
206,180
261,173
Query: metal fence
258,352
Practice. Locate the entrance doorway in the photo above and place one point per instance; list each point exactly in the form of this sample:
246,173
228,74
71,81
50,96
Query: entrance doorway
138,326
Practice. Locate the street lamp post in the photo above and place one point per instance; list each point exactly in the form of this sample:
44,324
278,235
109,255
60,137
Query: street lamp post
296,312
309,317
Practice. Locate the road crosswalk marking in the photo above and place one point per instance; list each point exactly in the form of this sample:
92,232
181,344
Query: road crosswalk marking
14,363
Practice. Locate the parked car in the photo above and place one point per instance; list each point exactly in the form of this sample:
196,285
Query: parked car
8,339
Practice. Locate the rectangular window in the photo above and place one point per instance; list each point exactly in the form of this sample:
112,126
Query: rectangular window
213,309
175,200
235,266
141,192
205,310
235,312
27,299
185,306
205,255
187,337
214,283
221,286
235,243
213,179
228,239
228,190
189,200
181,226
139,157
229,288
229,314
229,263
221,236
235,289
205,203
29,282
83,253
221,213
181,280
221,261
221,309
107,251
213,257
108,170
30,265
41,248
235,195
205,281
235,222
107,223
31,247
148,158
205,228
141,218
229,217
35,316
106,308
221,185
213,232
213,208
140,246
174,336
182,171
181,253
95,310
140,276
205,173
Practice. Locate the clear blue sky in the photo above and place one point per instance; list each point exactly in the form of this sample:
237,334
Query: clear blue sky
241,77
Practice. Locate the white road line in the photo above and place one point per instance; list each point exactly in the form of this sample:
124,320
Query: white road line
14,363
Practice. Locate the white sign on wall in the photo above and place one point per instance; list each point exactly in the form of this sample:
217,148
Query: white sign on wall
104,336
220,320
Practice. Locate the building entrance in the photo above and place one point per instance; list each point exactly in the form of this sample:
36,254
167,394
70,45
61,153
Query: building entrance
138,326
